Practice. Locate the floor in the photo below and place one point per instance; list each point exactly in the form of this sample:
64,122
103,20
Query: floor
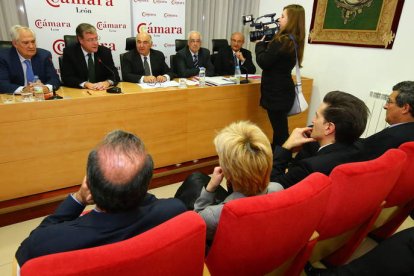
12,235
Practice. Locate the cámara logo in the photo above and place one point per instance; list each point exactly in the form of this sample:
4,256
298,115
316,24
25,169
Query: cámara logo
41,23
58,46
148,14
103,25
160,1
57,3
143,27
170,15
176,2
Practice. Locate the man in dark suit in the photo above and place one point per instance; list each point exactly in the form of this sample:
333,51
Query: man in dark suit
20,63
338,123
400,116
143,64
119,171
192,57
230,56
87,64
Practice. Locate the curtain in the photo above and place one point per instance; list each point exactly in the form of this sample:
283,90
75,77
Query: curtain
219,18
12,12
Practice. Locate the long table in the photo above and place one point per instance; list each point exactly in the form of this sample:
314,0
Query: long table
44,145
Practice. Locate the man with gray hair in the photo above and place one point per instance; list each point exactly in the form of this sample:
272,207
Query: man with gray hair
192,57
87,64
23,61
400,116
118,173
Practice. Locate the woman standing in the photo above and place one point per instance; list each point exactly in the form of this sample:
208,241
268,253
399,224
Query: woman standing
277,59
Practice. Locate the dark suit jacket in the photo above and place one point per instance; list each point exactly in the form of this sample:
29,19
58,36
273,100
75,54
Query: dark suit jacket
224,62
133,68
11,71
324,161
277,87
66,231
391,137
185,64
75,70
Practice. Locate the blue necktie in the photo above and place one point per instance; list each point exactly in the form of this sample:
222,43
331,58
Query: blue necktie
29,71
195,60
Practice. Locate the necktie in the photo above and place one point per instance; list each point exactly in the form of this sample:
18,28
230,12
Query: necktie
195,60
236,61
91,69
147,70
29,71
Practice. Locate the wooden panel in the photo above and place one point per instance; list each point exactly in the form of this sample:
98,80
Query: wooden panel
44,145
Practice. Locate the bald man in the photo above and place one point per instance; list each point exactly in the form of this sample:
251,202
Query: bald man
144,64
230,56
119,171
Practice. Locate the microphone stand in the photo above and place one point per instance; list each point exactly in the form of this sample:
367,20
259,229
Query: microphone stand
55,96
246,80
114,89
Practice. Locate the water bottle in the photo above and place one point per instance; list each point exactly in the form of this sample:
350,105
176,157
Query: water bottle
38,89
202,77
237,74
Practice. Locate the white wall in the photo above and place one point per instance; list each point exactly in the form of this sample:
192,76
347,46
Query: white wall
353,69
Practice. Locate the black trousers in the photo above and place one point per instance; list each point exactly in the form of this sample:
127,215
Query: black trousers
394,256
191,188
279,122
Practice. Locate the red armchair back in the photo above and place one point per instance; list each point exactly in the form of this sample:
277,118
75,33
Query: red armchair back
400,201
358,192
175,247
255,235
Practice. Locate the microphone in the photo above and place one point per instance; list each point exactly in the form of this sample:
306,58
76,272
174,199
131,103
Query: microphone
55,96
246,80
114,89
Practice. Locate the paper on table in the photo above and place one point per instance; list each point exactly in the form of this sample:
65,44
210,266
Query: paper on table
159,84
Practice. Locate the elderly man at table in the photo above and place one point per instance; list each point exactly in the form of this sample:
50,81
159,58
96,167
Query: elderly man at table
234,55
87,64
20,63
144,64
119,171
192,57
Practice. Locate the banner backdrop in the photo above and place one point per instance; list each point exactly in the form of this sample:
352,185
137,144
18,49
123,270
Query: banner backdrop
163,19
51,19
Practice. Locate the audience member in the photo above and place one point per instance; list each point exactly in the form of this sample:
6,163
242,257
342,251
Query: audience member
144,64
400,116
119,171
245,160
338,123
20,63
192,57
394,256
230,56
87,64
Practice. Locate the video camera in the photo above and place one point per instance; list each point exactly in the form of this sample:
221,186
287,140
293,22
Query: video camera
262,29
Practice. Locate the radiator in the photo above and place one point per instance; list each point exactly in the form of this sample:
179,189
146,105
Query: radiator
376,120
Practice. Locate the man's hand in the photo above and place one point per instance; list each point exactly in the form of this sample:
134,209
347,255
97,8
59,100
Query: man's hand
150,79
240,56
83,195
161,79
98,85
298,137
215,180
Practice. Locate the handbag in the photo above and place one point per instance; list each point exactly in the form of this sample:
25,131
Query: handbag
299,104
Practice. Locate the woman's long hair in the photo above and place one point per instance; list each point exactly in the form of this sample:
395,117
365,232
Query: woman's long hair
294,26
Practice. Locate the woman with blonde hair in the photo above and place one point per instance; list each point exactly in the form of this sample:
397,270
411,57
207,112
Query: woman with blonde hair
245,160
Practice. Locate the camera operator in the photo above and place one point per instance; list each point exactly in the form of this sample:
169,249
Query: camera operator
277,59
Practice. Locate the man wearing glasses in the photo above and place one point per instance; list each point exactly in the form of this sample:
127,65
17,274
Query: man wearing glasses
87,64
400,116
338,123
192,57
143,64
234,55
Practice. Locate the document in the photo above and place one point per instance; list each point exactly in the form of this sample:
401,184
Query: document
159,84
218,81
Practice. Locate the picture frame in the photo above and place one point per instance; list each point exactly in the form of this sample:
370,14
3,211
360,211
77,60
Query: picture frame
360,23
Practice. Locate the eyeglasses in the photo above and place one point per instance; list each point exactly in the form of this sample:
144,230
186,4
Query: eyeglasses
389,101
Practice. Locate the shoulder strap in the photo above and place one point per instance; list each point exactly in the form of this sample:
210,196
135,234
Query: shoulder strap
298,77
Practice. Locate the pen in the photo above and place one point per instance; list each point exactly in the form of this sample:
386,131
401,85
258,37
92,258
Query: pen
88,92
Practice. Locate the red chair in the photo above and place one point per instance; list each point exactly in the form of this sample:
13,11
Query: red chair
256,235
175,247
400,202
358,192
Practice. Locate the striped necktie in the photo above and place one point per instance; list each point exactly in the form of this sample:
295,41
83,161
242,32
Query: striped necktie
195,60
147,70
